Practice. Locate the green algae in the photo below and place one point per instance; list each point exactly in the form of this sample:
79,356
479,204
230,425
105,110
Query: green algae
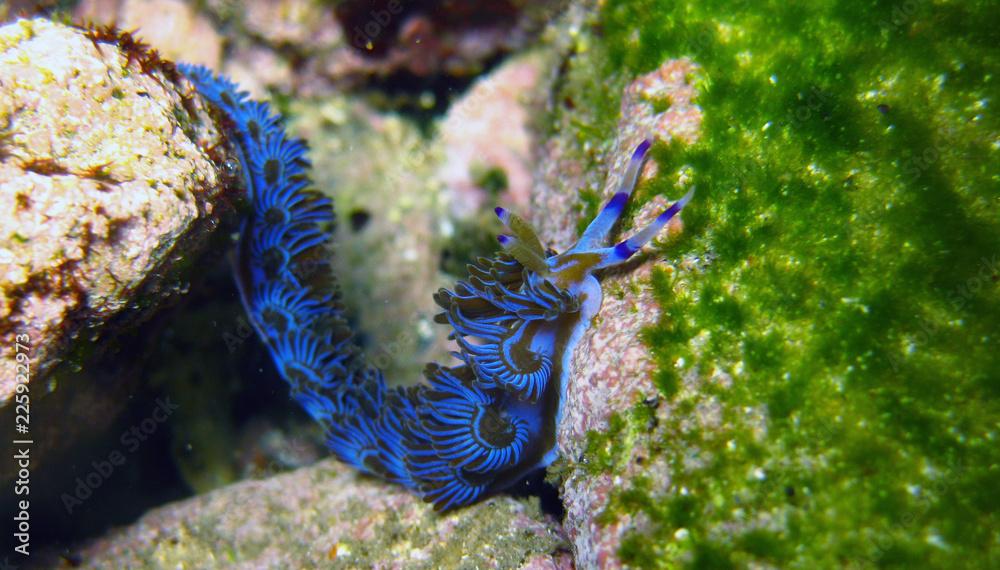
850,248
493,180
470,240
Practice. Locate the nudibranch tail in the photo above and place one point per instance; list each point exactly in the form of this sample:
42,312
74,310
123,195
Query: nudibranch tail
470,430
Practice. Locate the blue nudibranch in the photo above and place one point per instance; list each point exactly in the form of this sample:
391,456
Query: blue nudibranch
473,429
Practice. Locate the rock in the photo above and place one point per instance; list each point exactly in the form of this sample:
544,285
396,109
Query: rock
353,44
328,516
110,181
814,382
612,368
178,31
488,139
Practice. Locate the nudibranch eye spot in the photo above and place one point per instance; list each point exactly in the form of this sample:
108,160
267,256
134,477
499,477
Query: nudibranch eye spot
470,430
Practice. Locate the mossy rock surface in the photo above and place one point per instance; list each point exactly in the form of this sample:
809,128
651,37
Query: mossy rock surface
825,355
328,516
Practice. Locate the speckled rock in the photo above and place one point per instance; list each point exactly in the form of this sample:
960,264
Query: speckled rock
108,184
328,516
612,370
488,139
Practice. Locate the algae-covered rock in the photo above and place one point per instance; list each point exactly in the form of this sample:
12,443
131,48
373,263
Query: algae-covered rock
105,170
327,516
824,356
110,181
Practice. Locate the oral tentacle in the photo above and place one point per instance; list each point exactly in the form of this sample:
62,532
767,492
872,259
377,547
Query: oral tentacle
522,230
526,254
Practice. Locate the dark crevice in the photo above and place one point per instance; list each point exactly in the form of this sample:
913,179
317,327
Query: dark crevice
534,485
81,495
422,99
373,25
359,218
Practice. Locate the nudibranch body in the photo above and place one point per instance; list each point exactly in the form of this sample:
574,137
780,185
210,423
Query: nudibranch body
472,429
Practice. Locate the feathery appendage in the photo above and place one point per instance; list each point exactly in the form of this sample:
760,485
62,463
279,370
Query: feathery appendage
470,430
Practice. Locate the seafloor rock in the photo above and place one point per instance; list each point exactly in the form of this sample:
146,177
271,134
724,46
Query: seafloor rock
327,516
109,183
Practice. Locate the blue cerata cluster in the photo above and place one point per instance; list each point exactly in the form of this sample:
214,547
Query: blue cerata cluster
472,429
